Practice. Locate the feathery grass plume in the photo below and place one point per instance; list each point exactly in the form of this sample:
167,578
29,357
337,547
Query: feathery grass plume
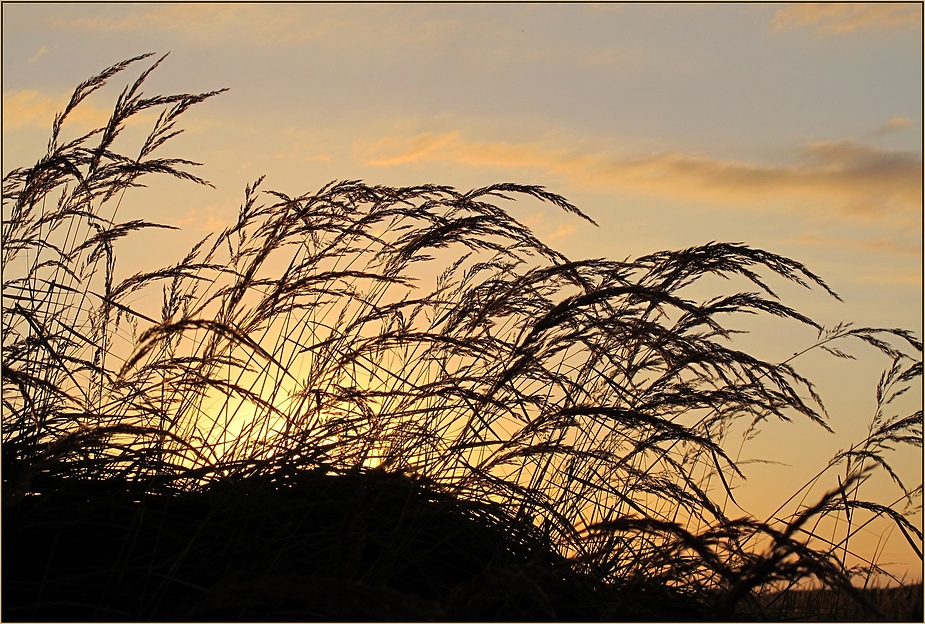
301,369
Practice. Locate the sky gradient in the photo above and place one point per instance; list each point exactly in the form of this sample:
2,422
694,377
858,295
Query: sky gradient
794,128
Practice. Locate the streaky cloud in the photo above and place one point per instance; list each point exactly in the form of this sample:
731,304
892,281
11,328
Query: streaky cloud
37,109
879,245
33,108
831,19
895,124
853,179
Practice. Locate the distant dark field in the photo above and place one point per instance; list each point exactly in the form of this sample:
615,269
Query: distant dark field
820,605
307,426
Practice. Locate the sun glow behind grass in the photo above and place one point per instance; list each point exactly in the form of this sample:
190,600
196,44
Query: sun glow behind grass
424,331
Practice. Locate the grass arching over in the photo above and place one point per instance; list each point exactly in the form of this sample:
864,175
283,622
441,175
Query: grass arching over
304,426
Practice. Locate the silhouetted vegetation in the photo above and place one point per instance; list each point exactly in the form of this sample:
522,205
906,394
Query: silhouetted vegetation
307,429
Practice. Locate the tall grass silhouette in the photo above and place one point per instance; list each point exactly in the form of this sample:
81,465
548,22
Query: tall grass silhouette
365,359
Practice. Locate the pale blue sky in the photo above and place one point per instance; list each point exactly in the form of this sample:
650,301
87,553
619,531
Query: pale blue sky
796,128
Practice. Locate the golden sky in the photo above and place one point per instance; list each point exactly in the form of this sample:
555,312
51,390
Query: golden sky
795,128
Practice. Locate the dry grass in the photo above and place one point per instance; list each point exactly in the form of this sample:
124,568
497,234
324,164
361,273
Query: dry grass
582,405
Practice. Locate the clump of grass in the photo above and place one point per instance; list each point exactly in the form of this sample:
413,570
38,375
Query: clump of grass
305,419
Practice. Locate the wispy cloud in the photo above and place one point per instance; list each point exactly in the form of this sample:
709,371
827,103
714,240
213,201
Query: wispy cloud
876,245
852,178
900,278
830,19
549,228
474,36
34,108
37,109
204,22
337,26
564,229
301,149
391,150
28,108
894,124
42,51
209,218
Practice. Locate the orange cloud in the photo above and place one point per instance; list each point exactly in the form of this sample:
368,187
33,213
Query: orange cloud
877,245
390,151
206,22
34,108
564,229
894,124
864,178
31,108
479,40
901,278
857,179
334,25
830,19
28,108
42,51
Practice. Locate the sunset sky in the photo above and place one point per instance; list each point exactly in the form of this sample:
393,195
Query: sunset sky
794,128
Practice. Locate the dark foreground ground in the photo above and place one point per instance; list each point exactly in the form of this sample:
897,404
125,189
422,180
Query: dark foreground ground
354,547
902,604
